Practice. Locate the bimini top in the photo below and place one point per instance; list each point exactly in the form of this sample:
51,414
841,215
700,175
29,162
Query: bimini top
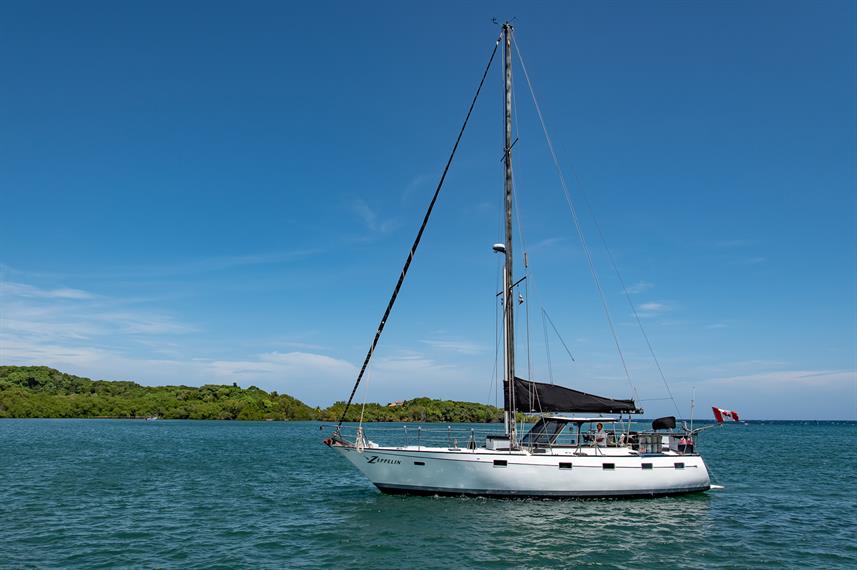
540,397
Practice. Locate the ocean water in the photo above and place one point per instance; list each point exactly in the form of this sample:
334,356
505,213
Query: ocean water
170,494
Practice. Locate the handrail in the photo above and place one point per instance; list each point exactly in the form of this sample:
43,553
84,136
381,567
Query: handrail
471,437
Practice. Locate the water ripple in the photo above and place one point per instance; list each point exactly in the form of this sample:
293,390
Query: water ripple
108,494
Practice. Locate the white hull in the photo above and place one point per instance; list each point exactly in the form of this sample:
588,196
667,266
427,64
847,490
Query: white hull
592,472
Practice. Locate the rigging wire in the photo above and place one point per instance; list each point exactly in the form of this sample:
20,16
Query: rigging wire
547,345
492,386
559,336
495,387
607,249
628,297
418,237
577,223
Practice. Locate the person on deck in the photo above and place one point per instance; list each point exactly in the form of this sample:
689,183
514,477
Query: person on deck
600,435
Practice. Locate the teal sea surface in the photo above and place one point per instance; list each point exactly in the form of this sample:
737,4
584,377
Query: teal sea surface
199,494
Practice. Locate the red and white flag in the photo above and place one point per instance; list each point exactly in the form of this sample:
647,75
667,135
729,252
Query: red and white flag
722,415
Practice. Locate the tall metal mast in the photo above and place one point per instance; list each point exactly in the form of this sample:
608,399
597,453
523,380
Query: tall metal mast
508,297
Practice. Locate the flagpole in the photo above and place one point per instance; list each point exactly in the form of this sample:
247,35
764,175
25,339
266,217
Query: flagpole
692,405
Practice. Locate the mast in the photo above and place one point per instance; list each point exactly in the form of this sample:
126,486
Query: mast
508,298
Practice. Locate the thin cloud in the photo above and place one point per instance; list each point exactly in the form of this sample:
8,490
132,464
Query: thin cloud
406,363
732,251
298,345
738,368
370,218
9,288
50,329
790,377
76,359
416,183
639,287
185,267
221,263
303,366
53,315
734,243
102,337
654,309
547,242
673,323
144,323
457,346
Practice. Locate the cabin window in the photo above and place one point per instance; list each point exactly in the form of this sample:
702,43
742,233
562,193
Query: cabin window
419,462
647,465
499,463
565,465
608,466
679,465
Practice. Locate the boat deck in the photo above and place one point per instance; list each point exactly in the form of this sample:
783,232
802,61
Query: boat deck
554,451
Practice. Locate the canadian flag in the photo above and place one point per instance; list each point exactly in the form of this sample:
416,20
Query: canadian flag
722,415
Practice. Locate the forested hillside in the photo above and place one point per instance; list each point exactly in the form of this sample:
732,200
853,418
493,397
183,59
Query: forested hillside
42,392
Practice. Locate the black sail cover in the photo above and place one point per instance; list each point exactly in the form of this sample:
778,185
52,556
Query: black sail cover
540,397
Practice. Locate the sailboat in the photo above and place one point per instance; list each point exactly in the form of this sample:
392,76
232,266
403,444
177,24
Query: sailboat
560,455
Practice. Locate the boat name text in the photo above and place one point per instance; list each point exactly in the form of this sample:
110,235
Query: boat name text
376,459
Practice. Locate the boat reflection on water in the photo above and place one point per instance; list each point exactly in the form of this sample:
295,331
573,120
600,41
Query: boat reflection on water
536,532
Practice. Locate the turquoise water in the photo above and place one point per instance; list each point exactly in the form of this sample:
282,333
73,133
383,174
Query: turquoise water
105,493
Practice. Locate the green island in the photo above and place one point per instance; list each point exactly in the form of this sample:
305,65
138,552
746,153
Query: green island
43,392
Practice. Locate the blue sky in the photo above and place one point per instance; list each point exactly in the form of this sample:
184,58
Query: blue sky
215,192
